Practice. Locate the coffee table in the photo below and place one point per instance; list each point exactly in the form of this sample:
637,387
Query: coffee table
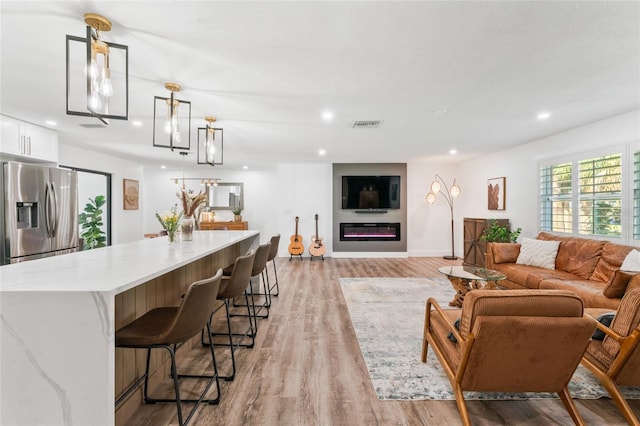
467,278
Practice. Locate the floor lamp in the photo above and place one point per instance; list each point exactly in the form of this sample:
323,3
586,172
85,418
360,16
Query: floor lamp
449,194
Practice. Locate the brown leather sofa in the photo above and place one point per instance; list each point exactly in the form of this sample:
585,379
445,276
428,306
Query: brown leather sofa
582,265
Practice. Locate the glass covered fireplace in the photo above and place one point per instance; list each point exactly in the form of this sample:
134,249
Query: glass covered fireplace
370,232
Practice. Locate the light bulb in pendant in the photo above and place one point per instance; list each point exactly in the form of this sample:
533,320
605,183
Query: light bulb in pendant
106,88
94,101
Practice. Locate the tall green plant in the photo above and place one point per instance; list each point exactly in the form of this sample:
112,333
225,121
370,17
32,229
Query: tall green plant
90,224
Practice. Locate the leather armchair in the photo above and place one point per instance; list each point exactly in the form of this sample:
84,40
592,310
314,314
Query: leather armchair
510,341
615,360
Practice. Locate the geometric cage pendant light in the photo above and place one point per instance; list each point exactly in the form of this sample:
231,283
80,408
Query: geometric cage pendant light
97,73
210,143
171,120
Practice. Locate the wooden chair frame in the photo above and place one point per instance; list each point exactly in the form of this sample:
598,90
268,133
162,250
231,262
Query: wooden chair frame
455,377
608,378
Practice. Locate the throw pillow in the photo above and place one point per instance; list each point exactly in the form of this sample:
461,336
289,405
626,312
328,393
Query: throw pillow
450,336
505,252
631,262
618,284
538,253
604,319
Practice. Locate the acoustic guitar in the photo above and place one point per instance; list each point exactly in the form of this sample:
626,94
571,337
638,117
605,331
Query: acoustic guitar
317,248
296,248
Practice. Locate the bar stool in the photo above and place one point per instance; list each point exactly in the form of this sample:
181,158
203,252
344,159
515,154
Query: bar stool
233,286
275,241
257,271
167,327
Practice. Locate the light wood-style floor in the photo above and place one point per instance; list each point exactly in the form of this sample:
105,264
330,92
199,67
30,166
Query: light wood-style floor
307,369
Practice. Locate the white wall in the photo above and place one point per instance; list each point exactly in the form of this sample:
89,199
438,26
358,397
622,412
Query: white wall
429,225
260,195
304,190
126,225
520,167
274,197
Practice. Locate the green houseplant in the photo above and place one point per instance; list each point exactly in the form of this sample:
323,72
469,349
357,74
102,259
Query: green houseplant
237,217
90,221
500,234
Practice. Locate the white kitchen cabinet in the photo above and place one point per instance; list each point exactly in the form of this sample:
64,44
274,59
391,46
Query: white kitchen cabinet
21,139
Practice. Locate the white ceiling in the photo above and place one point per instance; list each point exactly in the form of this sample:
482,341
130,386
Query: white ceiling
268,70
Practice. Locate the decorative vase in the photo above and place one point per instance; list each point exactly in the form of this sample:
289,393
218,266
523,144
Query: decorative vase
187,226
172,236
237,218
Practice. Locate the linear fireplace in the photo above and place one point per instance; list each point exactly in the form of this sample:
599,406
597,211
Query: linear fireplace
370,232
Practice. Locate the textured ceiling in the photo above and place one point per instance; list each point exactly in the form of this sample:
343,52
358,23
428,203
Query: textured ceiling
268,70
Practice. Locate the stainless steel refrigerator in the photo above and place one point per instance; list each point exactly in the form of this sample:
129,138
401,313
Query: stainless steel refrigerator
40,214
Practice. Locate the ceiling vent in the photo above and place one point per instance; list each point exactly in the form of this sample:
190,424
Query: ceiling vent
365,124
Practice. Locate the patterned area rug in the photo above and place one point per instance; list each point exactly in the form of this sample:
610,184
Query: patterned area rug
388,317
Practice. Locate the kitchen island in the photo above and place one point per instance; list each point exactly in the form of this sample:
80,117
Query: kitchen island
58,316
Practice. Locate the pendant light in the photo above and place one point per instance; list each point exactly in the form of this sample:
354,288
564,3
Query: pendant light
171,120
97,73
210,143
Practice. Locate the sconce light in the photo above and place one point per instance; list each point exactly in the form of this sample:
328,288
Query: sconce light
210,143
448,194
171,120
97,73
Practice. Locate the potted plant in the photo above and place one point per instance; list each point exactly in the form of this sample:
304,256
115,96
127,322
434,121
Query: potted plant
237,217
90,221
500,234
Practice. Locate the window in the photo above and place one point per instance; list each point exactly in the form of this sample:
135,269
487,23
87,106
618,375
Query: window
636,196
584,196
601,196
555,198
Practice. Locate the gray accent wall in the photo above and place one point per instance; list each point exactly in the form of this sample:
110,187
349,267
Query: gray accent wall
350,216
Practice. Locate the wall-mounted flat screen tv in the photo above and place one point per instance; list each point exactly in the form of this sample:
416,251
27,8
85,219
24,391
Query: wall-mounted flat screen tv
370,192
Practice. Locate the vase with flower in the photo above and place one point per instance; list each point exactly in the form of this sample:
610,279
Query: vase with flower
190,204
170,221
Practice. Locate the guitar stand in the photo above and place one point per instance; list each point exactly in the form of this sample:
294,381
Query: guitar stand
312,256
291,257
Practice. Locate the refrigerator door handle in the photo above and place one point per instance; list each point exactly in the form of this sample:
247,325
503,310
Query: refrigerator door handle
54,216
47,225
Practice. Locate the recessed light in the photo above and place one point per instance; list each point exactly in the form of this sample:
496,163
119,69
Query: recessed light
322,152
327,116
544,115
137,123
453,151
440,111
51,123
245,167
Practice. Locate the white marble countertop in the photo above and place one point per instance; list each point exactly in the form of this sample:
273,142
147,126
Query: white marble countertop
116,268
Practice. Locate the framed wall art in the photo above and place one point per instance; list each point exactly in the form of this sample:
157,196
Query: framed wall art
130,194
496,193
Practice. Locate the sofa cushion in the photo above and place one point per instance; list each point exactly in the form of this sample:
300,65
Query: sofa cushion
505,252
610,261
618,283
529,276
589,291
579,256
538,253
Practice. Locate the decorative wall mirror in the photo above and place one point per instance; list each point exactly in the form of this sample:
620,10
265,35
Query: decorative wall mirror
226,196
